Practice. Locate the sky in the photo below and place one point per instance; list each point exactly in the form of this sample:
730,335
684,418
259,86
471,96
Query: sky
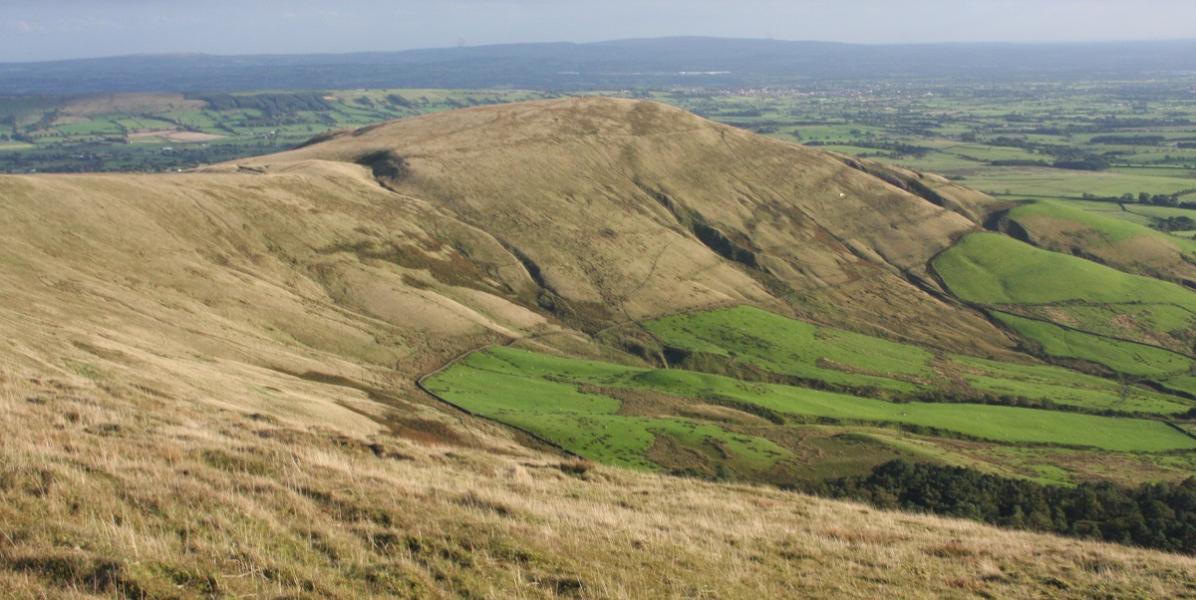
54,29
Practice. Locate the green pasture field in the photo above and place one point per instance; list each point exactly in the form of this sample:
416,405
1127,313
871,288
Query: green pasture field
1110,227
539,393
1183,383
790,347
90,127
1123,357
982,153
1162,325
991,269
1063,386
1112,210
1139,214
936,162
1037,182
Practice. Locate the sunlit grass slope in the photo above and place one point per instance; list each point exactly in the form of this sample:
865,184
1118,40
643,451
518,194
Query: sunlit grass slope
791,347
112,492
990,268
469,385
867,365
1119,243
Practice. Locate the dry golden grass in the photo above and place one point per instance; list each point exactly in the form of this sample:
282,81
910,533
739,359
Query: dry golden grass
207,379
112,492
580,186
222,286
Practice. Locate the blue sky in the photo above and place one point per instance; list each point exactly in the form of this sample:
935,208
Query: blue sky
51,29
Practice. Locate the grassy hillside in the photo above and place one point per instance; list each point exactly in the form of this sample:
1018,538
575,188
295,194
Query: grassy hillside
989,268
1075,308
1127,246
1062,386
211,377
790,347
113,492
495,385
618,414
1123,357
647,218
757,344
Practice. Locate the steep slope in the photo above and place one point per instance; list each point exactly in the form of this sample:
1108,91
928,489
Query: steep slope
654,210
1155,318
107,491
460,229
936,189
1127,246
211,285
210,377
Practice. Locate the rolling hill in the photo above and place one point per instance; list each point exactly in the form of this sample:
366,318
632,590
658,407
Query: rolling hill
382,363
659,62
1127,246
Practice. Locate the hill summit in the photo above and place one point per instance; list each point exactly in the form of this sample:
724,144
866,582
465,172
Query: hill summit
627,209
379,254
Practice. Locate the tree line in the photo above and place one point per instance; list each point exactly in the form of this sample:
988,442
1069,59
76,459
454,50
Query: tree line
1156,515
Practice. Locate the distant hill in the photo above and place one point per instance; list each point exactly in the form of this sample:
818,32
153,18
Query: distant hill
625,63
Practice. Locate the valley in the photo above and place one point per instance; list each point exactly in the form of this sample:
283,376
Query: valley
597,314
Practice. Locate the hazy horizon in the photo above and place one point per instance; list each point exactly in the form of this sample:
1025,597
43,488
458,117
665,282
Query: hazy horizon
64,29
610,40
